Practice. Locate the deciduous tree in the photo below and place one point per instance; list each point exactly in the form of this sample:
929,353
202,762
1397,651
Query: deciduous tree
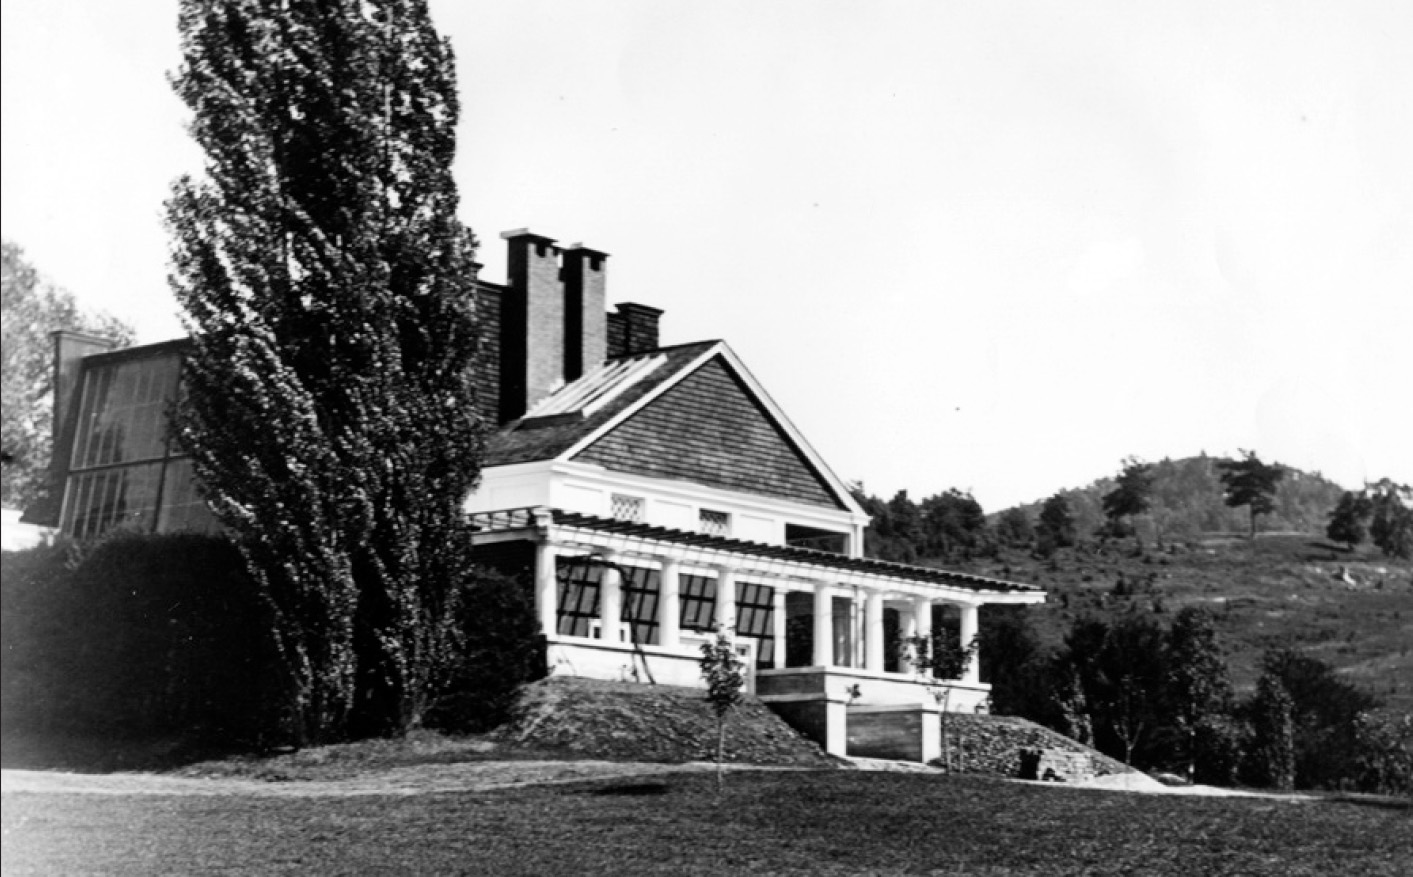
1392,526
1056,528
725,676
1198,686
32,308
327,284
1349,520
1251,483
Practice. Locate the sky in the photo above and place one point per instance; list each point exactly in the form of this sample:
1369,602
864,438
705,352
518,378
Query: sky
993,246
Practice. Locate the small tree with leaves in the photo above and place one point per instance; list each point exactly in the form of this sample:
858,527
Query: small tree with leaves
1251,483
1131,496
937,660
1350,519
725,676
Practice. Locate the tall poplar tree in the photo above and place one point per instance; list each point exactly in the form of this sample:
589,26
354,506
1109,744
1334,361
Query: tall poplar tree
327,285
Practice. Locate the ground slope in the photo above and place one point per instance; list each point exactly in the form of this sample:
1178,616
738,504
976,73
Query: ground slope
628,720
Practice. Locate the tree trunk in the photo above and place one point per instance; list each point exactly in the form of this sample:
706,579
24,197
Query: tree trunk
720,751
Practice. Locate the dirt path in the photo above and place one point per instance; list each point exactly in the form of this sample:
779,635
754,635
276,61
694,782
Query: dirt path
418,780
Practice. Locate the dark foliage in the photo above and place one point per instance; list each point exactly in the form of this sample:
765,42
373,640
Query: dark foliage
498,648
1350,519
1013,528
1324,710
1056,527
1013,662
1271,757
946,526
1251,483
1198,689
328,286
140,637
1392,527
1131,496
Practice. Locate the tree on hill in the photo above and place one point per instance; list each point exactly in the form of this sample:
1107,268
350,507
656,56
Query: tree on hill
1349,520
327,284
953,525
1251,483
32,308
1013,528
1392,527
1056,527
1130,498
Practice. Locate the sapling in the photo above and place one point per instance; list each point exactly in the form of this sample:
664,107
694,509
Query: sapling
725,675
937,660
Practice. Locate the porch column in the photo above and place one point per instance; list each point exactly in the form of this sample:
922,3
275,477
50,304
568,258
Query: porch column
725,610
669,605
922,617
777,626
873,634
969,612
546,588
611,602
823,625
908,629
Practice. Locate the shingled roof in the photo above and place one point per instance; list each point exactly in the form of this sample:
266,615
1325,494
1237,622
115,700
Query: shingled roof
544,438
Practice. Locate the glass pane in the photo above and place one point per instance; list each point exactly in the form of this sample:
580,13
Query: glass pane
124,411
182,506
124,496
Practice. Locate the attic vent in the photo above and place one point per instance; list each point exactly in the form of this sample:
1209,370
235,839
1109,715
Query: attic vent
595,389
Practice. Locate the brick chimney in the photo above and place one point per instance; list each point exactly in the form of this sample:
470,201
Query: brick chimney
585,321
553,327
633,329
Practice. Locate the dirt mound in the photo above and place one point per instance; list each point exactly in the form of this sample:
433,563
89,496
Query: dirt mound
632,721
992,744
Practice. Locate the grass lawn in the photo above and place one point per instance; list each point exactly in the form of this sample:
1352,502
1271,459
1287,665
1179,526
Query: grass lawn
825,822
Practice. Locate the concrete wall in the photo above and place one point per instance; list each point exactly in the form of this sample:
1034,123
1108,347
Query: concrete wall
903,733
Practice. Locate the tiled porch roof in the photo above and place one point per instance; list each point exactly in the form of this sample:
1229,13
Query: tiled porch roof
517,519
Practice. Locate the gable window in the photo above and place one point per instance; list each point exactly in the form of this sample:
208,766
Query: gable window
626,508
799,536
714,523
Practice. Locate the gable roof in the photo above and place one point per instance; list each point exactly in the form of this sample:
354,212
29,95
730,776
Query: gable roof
643,424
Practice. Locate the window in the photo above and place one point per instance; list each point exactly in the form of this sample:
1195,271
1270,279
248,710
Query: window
580,580
714,523
798,536
698,596
578,595
123,472
626,508
755,609
640,596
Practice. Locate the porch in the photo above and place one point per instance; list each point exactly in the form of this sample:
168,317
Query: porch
820,633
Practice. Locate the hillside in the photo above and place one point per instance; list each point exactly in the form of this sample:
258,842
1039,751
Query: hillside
1187,503
1353,611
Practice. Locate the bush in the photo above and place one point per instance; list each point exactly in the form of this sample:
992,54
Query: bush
498,649
139,637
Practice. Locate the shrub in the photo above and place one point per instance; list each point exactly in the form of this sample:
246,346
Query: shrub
498,648
140,637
